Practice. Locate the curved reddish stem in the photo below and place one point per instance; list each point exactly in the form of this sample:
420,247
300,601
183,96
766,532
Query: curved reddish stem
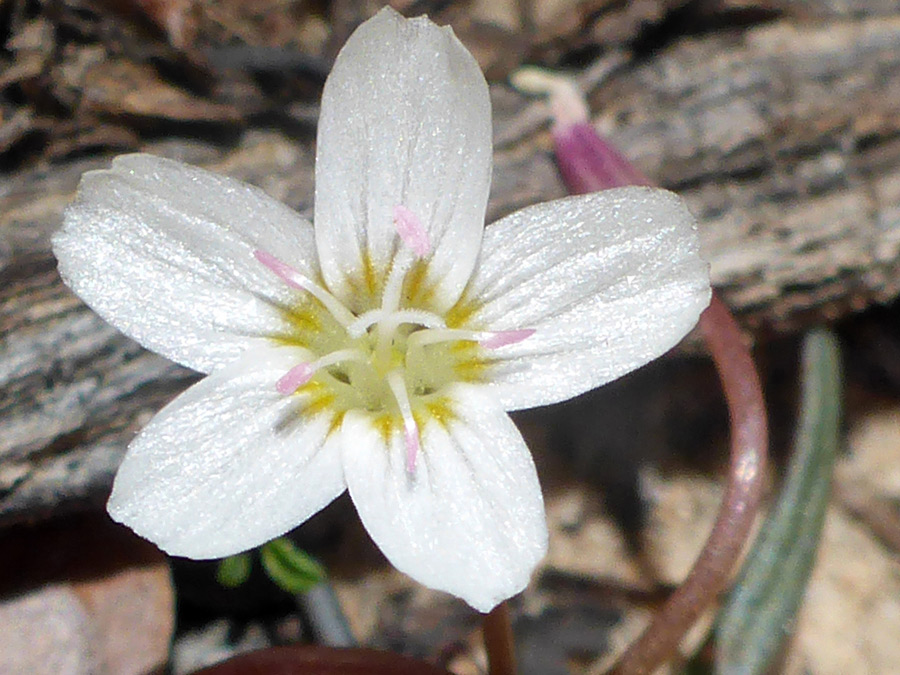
588,163
749,443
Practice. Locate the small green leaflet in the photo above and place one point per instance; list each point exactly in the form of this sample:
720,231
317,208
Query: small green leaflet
289,567
234,570
292,569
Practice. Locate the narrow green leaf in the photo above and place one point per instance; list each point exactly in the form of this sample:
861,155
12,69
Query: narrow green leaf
761,609
234,570
291,568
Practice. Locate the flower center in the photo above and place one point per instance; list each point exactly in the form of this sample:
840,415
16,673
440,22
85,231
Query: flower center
391,361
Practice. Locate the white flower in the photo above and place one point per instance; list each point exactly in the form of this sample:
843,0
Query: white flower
378,351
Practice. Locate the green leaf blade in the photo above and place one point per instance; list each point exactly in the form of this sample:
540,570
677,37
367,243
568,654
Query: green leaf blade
760,611
292,569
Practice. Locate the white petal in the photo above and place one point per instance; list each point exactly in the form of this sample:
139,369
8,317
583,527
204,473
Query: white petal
471,519
229,464
609,281
164,252
405,121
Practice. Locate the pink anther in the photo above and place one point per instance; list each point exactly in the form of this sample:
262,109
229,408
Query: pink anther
412,448
295,378
282,270
411,231
506,337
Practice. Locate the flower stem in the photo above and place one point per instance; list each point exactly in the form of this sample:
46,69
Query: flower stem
498,641
588,162
322,609
749,443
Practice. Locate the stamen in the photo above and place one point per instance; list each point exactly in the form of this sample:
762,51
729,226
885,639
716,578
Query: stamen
390,320
393,287
411,231
487,339
416,316
361,324
412,449
295,378
567,103
302,373
410,428
294,279
388,325
507,337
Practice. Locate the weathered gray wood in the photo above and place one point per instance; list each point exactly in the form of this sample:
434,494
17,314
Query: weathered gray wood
786,141
784,137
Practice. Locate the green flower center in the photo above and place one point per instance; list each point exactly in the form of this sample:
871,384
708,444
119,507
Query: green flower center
390,361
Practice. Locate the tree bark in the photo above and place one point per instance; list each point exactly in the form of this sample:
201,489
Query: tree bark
782,134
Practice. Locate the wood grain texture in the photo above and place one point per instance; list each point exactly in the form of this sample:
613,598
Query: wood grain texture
782,134
784,139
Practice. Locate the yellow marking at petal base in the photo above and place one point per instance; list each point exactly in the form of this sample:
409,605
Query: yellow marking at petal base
415,292
369,277
438,410
292,340
319,397
470,364
336,422
319,404
303,318
312,388
303,314
463,349
364,286
461,312
385,424
473,369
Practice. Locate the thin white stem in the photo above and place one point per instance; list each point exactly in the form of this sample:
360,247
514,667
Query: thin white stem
410,428
489,339
566,99
302,373
387,328
393,287
390,320
294,279
339,356
362,323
